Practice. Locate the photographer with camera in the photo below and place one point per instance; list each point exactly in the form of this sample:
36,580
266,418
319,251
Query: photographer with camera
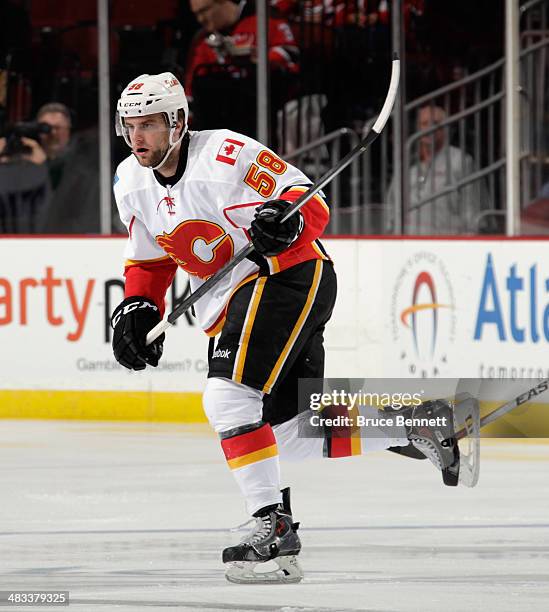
73,163
43,171
21,142
55,140
24,179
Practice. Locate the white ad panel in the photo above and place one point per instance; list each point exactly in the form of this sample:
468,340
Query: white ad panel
56,296
406,308
457,308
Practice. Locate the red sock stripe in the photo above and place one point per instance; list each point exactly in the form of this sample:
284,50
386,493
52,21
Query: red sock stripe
340,447
247,443
344,440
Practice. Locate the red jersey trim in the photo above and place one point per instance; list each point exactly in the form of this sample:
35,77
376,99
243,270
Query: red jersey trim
234,207
131,226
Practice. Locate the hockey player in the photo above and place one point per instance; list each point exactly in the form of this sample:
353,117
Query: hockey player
192,199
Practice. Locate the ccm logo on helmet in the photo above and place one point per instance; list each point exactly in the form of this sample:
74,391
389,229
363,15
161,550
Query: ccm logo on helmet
129,307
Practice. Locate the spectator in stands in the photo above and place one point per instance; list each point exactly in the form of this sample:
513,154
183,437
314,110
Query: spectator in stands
55,142
73,164
544,192
361,54
221,65
360,12
534,218
440,168
24,184
49,183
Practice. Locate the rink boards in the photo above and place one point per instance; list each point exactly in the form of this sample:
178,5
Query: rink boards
406,308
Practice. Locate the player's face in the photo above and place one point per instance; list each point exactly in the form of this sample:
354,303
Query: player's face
149,137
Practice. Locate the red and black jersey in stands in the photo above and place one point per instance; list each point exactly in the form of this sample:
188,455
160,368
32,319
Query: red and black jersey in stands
333,12
283,50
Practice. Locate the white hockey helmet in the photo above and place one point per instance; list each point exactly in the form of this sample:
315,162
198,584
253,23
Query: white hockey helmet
149,94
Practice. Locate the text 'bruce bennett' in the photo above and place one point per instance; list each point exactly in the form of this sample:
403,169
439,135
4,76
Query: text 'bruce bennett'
317,420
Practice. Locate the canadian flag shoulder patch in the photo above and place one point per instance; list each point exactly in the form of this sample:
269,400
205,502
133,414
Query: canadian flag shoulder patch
229,151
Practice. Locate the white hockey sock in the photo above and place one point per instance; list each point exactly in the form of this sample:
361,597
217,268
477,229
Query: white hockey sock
234,411
298,440
253,459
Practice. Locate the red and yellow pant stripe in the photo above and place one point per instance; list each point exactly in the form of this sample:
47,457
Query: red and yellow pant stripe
267,388
247,329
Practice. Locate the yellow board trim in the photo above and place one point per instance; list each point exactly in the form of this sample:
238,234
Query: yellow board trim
530,420
103,406
525,424
259,455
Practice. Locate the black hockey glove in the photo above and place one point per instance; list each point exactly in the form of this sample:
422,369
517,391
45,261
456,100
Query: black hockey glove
270,236
131,321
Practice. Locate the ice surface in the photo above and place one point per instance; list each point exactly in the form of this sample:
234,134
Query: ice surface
134,517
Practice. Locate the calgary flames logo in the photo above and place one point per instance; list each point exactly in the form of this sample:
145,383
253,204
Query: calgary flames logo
199,247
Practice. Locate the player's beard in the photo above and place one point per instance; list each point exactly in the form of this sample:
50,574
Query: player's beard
155,158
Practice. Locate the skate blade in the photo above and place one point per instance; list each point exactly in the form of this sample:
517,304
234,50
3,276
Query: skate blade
288,571
467,419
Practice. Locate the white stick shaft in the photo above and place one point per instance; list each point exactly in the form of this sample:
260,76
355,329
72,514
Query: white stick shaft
157,331
390,99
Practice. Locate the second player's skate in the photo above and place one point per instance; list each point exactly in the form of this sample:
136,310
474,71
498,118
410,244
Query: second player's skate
437,442
274,538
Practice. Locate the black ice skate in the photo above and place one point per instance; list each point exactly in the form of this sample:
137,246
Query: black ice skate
274,538
437,442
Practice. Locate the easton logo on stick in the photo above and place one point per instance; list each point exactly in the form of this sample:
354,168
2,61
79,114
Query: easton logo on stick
539,388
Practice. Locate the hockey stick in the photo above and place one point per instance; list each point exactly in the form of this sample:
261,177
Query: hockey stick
521,399
293,208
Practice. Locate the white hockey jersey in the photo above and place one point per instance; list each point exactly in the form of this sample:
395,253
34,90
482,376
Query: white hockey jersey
201,221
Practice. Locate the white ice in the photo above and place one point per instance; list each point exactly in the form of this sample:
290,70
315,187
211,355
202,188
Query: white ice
134,517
